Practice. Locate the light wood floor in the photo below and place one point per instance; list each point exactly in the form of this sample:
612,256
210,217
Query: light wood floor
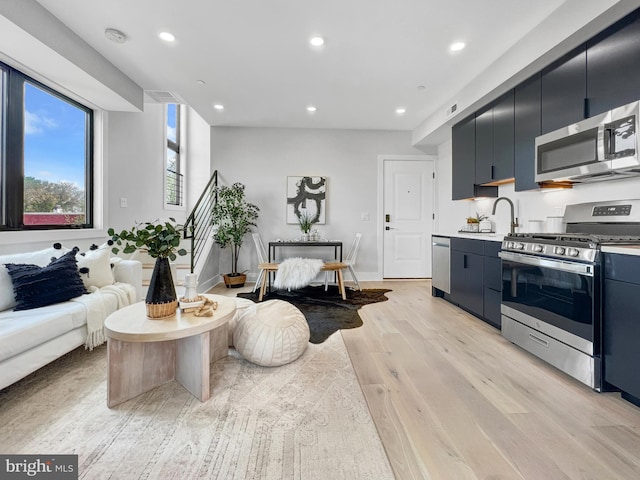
452,399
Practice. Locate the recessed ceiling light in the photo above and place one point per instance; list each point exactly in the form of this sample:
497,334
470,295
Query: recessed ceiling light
115,35
167,37
457,46
200,82
421,87
316,41
400,110
311,109
218,107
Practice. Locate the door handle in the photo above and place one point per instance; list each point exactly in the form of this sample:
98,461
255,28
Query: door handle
389,228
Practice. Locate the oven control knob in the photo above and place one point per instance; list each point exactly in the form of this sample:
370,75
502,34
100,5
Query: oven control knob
558,250
573,252
538,248
519,246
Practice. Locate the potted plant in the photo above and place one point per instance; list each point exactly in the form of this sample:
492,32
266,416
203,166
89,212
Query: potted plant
233,216
160,240
474,222
306,222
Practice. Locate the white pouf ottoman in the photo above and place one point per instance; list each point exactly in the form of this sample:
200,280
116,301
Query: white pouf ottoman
271,333
241,306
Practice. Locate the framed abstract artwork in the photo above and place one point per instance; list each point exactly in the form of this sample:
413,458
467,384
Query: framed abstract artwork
306,195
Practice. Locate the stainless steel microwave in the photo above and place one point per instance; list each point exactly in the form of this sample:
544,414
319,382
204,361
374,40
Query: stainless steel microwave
602,147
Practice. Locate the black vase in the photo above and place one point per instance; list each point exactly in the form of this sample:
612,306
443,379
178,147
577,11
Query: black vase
161,299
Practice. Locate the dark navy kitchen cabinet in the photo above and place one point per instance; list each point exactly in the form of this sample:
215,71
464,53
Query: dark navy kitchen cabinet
463,168
613,69
463,171
492,270
494,141
476,278
484,145
527,126
621,324
502,167
467,267
564,89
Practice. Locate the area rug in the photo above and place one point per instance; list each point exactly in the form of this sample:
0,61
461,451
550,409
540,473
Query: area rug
326,312
305,420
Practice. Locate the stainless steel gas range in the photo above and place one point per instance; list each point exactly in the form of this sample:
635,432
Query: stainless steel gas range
551,298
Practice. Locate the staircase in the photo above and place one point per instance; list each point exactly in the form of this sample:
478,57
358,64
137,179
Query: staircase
198,230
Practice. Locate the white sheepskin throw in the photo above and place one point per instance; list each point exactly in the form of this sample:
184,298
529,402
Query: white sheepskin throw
296,272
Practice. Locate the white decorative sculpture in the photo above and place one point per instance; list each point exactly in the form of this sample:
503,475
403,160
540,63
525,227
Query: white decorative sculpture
190,284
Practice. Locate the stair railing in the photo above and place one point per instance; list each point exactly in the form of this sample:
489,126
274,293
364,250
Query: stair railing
198,226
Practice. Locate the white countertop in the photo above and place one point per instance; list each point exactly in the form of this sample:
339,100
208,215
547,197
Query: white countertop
622,249
494,237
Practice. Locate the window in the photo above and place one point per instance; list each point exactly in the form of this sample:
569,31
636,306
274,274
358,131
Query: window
173,176
47,153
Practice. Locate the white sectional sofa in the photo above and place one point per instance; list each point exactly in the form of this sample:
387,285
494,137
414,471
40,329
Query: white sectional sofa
31,338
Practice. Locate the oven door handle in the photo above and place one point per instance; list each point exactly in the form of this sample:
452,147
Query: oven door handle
571,267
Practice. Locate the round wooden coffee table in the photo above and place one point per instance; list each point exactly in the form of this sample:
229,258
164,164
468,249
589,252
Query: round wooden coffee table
144,353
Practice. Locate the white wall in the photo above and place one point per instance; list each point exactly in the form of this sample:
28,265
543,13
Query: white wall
262,158
529,205
136,151
136,167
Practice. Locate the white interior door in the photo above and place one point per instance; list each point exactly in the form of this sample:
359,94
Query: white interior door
408,222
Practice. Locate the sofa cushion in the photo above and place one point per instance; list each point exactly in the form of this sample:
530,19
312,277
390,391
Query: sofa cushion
39,257
36,286
26,329
95,268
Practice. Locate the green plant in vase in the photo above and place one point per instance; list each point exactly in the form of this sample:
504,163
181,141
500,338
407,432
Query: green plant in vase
306,222
233,217
160,240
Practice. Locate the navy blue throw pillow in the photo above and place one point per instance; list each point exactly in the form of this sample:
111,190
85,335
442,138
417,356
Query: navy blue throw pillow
36,286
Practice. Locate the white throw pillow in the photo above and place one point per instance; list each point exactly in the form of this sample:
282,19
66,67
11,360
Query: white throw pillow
95,268
42,258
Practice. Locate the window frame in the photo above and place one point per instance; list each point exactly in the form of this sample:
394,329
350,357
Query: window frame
12,155
177,147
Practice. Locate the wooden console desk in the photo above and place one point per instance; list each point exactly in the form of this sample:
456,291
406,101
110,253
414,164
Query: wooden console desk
337,248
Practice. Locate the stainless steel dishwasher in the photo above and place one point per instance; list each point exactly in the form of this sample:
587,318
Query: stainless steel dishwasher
441,265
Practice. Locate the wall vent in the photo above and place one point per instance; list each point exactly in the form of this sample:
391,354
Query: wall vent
452,109
162,96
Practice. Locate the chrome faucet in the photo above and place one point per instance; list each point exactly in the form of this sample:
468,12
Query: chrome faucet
514,220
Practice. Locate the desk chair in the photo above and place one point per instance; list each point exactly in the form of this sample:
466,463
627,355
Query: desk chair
263,263
349,261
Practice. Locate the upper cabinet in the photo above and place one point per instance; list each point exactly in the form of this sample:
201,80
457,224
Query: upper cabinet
463,136
463,168
613,69
527,126
494,141
564,90
498,143
484,146
503,138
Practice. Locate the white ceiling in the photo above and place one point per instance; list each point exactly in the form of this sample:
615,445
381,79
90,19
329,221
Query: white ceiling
255,59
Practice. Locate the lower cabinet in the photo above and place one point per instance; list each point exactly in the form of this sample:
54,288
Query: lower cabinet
492,284
476,278
621,324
